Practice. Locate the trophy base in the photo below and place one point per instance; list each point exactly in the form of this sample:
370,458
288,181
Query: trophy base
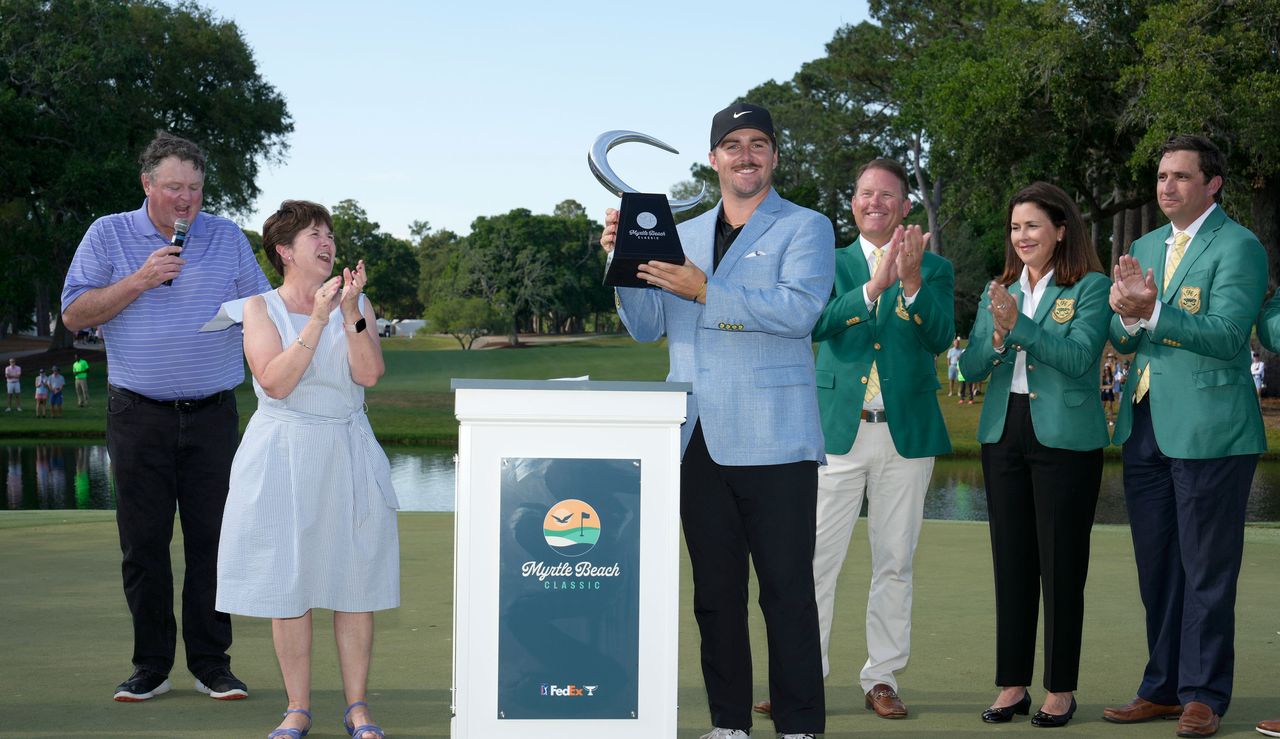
646,232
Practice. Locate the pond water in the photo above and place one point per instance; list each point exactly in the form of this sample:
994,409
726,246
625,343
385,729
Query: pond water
67,475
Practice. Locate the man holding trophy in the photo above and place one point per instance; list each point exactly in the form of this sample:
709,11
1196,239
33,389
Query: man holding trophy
737,314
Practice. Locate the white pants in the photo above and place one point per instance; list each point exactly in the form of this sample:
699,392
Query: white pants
895,488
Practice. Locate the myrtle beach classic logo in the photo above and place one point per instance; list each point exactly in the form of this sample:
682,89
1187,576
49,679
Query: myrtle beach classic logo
571,528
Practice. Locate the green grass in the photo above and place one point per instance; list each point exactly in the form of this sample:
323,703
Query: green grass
412,404
67,642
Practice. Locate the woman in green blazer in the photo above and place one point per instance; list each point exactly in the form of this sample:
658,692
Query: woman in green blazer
1039,335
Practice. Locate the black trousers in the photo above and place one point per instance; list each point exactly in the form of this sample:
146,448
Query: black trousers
1187,517
165,459
1040,505
768,513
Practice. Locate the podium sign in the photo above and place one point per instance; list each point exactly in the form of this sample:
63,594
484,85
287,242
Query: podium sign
566,559
569,588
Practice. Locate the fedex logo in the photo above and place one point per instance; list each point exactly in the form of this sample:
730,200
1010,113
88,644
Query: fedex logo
568,691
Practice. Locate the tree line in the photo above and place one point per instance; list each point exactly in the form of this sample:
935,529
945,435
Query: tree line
979,98
517,272
976,97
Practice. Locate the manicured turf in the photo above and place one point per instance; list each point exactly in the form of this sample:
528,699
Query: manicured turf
66,642
412,404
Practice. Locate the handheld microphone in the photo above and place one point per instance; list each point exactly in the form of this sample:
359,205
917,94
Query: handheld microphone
180,227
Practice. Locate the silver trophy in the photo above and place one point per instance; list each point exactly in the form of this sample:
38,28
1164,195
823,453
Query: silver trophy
646,222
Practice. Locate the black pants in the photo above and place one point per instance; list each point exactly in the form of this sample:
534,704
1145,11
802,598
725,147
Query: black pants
768,513
1040,505
1187,517
162,459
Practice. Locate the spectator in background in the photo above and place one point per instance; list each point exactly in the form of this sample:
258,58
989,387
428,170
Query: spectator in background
42,394
13,383
953,366
56,382
80,370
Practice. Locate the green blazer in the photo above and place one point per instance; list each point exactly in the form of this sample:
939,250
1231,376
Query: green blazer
901,340
1269,324
1063,343
1202,399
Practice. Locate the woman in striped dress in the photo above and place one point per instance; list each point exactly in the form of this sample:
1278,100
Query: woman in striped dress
310,519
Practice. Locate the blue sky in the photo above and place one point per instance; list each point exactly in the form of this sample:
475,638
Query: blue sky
445,111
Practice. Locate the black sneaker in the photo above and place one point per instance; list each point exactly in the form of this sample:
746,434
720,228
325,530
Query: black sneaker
143,685
221,685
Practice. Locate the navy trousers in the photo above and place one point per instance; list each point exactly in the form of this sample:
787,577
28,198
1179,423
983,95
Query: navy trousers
1187,518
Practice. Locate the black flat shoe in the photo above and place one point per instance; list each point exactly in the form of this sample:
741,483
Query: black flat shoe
1052,720
1004,715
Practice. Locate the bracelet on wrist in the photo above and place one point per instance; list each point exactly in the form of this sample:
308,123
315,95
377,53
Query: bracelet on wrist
303,344
702,293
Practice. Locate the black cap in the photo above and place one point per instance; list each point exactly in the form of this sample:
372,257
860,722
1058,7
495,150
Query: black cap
741,115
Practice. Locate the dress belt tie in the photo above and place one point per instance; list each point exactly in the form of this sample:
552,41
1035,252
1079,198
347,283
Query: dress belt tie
365,453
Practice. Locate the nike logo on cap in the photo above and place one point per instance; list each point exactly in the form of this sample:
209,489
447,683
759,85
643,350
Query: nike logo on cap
742,113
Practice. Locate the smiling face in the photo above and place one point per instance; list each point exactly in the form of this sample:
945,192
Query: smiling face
1182,189
1034,237
745,160
311,253
879,205
174,191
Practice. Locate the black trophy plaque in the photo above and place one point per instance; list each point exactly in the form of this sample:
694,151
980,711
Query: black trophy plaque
646,232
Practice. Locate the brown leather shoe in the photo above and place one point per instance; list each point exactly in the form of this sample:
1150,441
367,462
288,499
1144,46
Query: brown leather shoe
1270,728
765,707
1139,710
1197,720
885,702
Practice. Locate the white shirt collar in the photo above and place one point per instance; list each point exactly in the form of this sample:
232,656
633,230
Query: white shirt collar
1194,228
1024,281
868,247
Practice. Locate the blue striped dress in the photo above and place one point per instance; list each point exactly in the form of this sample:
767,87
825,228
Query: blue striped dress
310,520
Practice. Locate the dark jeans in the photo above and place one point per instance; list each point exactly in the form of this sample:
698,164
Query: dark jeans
769,514
165,459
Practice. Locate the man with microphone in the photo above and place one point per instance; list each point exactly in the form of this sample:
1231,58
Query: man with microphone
172,426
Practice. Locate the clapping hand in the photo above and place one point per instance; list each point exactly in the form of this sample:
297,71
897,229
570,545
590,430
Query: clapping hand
353,282
326,299
910,257
1004,312
1133,294
887,271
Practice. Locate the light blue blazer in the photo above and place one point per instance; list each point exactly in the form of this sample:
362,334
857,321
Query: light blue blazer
747,351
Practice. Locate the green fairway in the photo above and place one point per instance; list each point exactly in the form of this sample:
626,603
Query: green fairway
412,404
67,642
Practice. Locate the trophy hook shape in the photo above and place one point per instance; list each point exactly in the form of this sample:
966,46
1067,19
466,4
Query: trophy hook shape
598,160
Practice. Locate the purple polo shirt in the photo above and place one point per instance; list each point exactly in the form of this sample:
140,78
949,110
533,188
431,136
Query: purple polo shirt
154,345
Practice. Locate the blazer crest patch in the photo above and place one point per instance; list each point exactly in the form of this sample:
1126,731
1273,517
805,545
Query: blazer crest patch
1064,309
1189,300
901,309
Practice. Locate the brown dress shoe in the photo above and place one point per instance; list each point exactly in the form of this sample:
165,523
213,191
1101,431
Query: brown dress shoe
1139,710
1197,720
765,707
1270,728
885,702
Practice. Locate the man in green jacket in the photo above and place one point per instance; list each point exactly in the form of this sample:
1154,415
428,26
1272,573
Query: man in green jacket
1185,298
892,309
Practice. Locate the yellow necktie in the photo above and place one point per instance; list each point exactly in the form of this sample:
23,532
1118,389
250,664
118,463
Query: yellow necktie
873,376
1171,265
1175,258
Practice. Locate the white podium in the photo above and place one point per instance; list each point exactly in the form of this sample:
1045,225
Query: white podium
566,559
